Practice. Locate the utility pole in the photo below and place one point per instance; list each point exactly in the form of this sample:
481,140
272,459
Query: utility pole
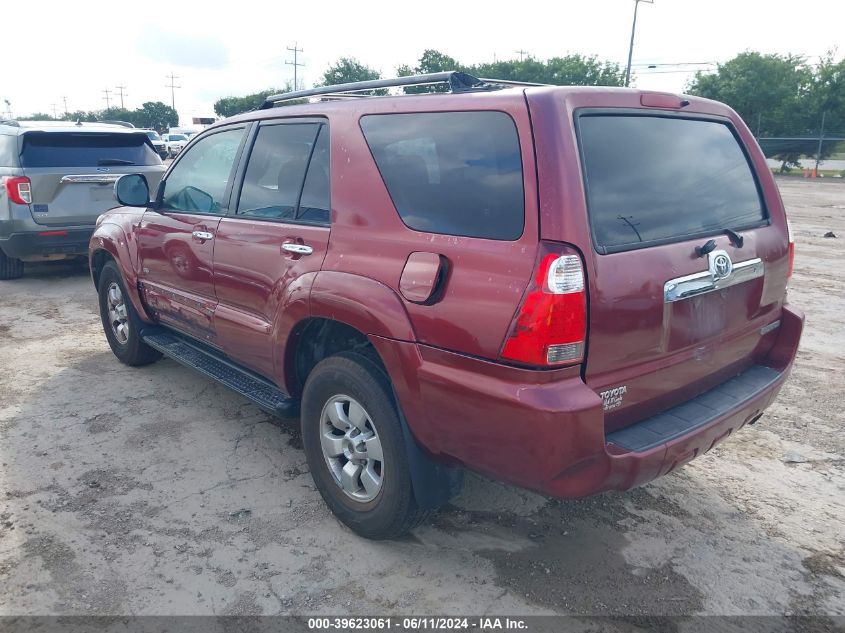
122,94
107,92
295,63
8,108
521,52
821,137
172,85
631,47
64,99
55,112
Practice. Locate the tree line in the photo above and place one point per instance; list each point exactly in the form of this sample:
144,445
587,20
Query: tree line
776,95
780,95
577,70
154,115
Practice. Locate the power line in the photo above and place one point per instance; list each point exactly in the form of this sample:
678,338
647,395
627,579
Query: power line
107,92
521,52
122,94
173,88
295,63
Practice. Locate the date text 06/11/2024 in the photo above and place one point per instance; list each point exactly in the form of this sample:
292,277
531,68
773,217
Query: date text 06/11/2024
416,624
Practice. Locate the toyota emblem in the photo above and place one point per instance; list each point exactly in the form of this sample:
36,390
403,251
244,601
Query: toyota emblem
720,265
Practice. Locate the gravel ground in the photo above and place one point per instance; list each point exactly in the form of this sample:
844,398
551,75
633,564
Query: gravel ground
156,491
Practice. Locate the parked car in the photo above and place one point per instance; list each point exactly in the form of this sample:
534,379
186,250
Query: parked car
174,143
55,179
570,289
157,142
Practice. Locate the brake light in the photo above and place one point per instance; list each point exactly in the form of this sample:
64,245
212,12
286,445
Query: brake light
549,328
19,189
791,249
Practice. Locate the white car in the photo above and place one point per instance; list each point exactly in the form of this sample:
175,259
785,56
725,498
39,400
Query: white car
174,143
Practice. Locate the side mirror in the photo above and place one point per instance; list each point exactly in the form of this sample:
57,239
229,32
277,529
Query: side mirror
132,190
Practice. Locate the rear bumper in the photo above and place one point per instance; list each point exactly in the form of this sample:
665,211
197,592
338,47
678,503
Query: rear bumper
545,430
49,241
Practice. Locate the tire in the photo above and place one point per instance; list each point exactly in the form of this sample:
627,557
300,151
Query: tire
393,510
126,341
10,267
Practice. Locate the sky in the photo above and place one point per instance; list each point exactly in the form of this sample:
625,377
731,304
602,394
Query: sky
79,49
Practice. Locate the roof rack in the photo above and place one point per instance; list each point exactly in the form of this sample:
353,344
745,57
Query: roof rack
10,122
457,82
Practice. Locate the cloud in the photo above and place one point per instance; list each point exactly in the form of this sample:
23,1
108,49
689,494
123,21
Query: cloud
181,48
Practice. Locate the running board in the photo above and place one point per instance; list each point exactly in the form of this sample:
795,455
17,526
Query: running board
216,366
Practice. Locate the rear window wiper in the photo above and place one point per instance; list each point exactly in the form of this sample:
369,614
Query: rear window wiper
114,161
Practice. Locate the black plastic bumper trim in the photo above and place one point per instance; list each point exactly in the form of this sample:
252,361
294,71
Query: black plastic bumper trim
75,242
697,412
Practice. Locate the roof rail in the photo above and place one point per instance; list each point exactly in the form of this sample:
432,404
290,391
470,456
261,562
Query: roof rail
9,122
457,82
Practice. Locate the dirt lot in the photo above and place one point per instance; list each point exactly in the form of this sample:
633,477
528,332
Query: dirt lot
155,491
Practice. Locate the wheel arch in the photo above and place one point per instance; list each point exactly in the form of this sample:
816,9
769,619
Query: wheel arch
109,243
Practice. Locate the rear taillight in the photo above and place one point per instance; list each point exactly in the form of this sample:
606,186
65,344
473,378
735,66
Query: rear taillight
549,328
19,189
791,249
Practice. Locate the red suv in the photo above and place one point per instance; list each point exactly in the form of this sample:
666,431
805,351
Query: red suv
570,289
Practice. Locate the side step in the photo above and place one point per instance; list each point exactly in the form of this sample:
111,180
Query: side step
215,365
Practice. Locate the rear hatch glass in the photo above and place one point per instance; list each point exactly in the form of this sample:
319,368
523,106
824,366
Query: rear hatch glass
653,179
73,173
81,149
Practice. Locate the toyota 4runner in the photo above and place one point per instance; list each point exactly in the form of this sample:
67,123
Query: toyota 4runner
570,289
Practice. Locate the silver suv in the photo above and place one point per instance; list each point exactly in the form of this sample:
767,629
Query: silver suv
56,178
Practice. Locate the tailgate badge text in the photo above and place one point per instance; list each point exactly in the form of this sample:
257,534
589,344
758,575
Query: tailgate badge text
612,398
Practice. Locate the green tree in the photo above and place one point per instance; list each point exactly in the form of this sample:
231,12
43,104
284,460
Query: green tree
155,115
347,70
827,97
571,70
37,116
116,114
81,115
230,106
769,92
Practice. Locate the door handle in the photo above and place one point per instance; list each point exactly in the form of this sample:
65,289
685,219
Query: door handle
203,235
299,249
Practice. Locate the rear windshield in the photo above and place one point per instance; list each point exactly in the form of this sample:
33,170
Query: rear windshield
657,179
80,149
458,173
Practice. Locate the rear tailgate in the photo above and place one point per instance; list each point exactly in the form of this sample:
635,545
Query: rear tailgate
668,321
73,173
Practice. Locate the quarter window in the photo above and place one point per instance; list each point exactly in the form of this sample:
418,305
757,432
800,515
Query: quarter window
198,182
458,173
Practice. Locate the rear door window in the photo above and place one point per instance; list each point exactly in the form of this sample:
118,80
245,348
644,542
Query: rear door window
457,173
654,179
86,149
287,176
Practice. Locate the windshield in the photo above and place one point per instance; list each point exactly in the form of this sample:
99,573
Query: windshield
656,179
153,136
177,137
